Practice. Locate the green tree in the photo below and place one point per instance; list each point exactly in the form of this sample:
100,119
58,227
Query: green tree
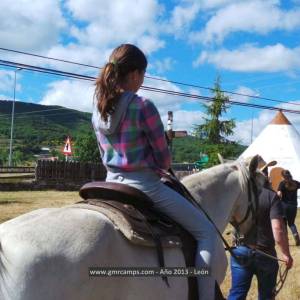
17,157
214,130
3,156
57,153
86,147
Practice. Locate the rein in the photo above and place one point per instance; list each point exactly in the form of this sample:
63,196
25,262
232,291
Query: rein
189,196
281,281
250,184
250,207
282,275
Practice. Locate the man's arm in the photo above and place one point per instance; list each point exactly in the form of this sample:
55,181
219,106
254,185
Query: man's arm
281,239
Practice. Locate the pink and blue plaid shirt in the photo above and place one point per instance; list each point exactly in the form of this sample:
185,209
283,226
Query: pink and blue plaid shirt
139,142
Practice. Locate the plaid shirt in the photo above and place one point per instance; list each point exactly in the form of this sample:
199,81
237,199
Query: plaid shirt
139,142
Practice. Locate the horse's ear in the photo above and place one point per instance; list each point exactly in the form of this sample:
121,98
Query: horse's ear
221,159
253,165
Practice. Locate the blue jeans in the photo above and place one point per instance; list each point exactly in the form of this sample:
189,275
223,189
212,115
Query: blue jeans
183,212
264,268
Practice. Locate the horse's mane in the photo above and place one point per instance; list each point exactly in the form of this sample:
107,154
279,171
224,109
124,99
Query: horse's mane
208,176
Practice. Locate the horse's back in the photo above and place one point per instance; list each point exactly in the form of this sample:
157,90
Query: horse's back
39,248
42,249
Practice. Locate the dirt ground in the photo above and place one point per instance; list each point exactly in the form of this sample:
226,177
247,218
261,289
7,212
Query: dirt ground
13,204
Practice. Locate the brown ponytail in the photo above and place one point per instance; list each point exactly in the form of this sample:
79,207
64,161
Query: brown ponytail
123,60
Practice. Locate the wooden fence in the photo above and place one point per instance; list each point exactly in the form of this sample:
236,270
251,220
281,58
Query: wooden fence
65,171
78,171
16,170
61,175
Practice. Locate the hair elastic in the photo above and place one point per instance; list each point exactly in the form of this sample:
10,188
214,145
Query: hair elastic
114,62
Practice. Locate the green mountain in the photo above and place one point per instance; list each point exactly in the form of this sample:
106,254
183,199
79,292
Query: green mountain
42,124
37,126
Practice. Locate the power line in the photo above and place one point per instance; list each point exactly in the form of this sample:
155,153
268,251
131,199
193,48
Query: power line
224,91
210,99
50,58
147,88
151,77
45,70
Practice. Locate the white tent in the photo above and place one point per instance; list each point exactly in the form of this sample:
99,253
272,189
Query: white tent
279,141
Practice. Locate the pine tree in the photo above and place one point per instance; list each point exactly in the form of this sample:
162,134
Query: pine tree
214,130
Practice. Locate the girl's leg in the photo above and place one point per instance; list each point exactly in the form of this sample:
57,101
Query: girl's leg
179,209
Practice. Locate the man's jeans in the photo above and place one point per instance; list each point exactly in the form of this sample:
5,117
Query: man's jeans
254,263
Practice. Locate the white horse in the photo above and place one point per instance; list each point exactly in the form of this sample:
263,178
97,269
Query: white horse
46,254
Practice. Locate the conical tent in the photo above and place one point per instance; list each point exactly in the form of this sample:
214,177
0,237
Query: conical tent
279,141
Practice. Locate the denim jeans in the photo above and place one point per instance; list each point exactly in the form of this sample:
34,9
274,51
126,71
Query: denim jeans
264,268
290,212
183,212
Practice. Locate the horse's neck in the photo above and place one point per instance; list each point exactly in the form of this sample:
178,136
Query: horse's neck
217,190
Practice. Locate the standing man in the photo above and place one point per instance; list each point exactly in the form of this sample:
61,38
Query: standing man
287,191
261,238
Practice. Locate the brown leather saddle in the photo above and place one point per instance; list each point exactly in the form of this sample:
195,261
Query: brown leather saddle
133,213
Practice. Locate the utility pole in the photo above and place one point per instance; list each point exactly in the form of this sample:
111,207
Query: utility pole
170,132
12,119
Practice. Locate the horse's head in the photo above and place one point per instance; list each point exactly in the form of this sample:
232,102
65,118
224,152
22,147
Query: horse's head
252,180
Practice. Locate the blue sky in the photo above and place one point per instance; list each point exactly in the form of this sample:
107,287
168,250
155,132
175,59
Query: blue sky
254,45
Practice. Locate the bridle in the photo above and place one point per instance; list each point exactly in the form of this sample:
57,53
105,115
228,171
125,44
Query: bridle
251,186
252,204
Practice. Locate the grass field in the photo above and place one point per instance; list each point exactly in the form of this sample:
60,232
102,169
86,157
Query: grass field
13,204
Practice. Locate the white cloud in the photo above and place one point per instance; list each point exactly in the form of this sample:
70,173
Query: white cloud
30,26
187,11
243,130
77,53
113,22
79,95
213,4
161,66
273,58
255,16
185,120
182,16
163,102
72,94
207,4
243,90
194,91
93,28
7,82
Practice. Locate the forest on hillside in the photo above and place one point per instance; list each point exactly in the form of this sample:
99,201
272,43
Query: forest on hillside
38,126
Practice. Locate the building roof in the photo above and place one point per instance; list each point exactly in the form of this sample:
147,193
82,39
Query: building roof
280,119
278,141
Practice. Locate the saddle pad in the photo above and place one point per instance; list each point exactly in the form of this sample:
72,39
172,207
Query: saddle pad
132,224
